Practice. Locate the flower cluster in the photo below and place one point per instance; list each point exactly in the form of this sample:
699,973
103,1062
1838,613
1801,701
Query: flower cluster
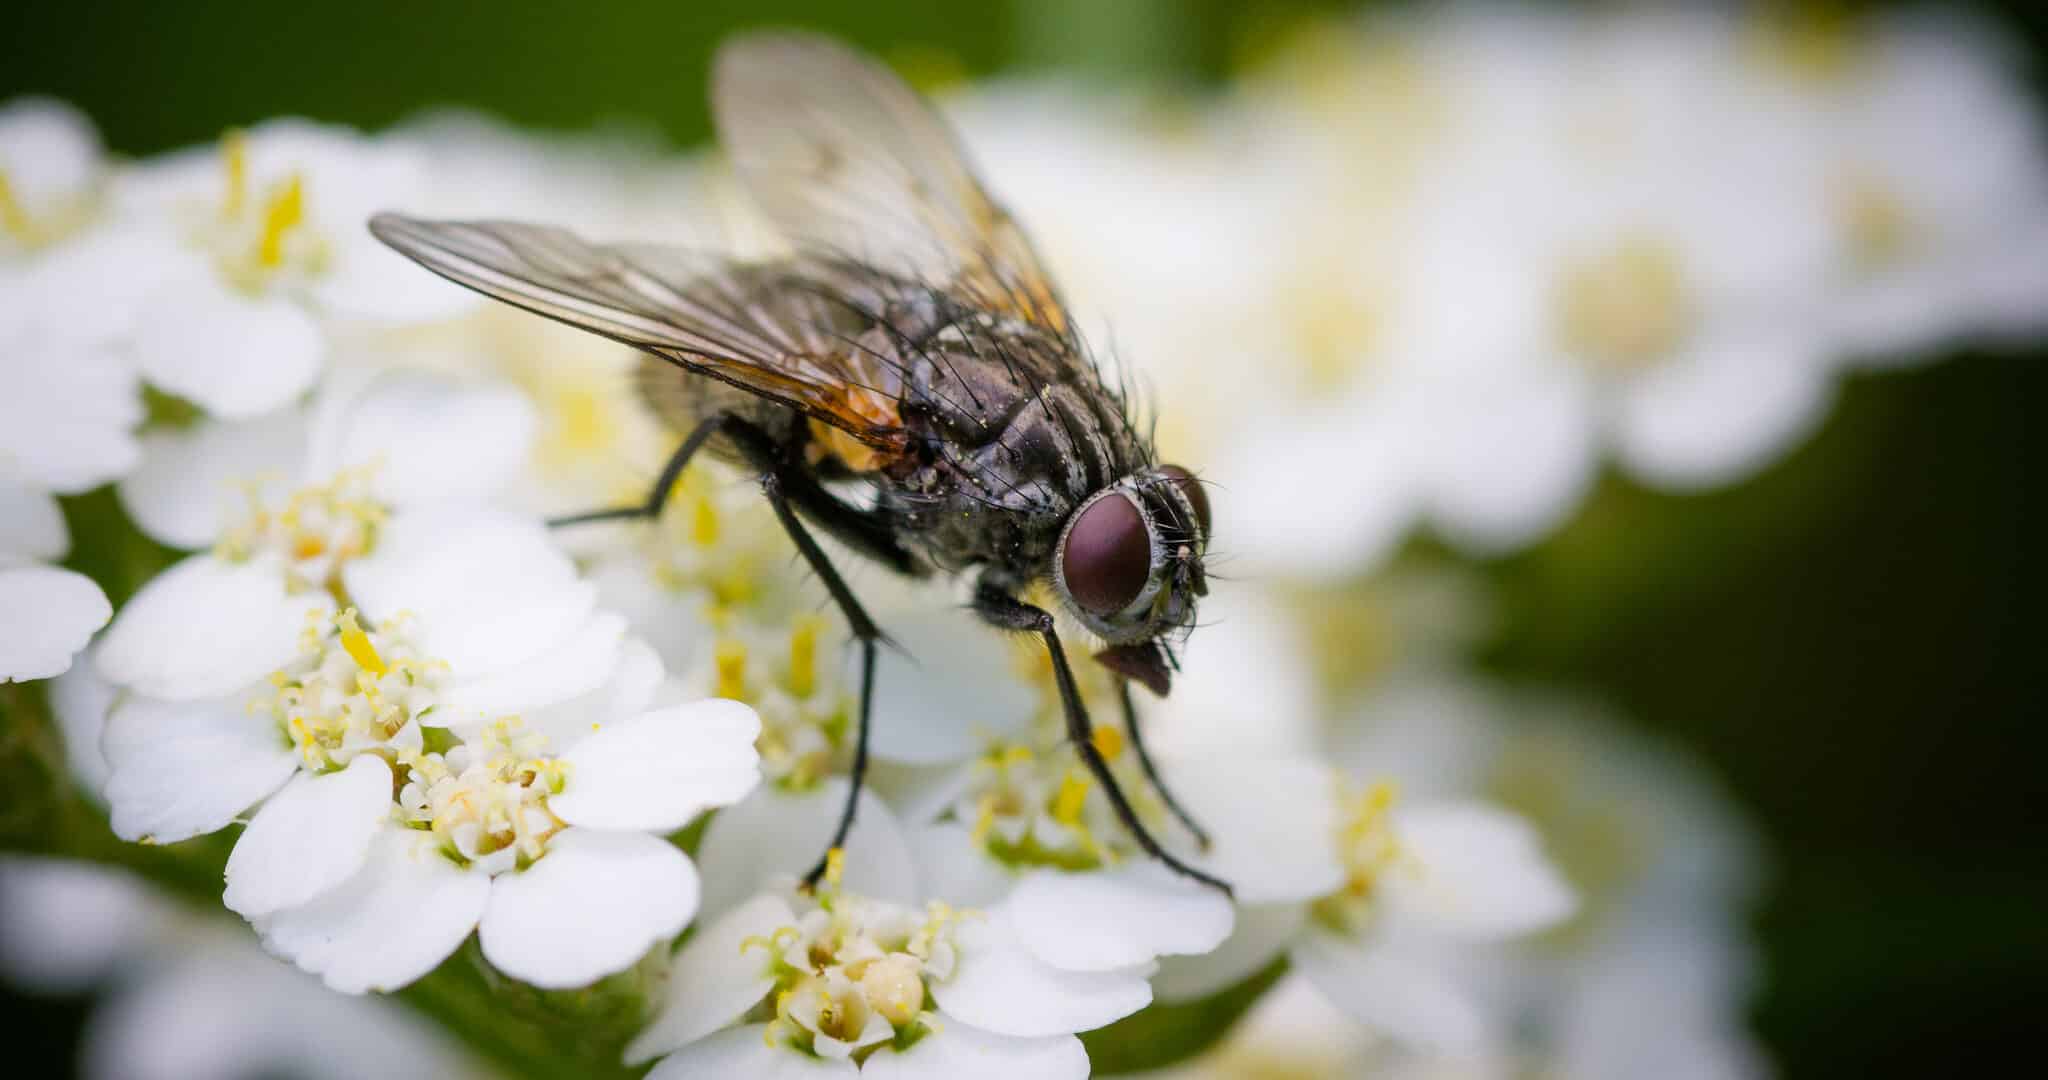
1465,256
1473,251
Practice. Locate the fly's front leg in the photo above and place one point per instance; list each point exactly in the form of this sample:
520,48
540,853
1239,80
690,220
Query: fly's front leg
864,631
658,497
1000,609
1123,689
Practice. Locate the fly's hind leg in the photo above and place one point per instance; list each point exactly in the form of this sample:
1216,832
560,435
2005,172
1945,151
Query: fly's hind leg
1000,609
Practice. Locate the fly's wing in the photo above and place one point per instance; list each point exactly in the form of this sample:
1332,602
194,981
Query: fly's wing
767,329
849,162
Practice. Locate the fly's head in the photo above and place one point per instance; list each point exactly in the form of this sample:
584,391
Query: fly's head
1129,566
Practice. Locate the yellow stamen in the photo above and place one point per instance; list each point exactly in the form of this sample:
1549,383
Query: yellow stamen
1072,796
731,658
234,150
803,655
13,219
358,644
703,521
1109,742
835,866
281,214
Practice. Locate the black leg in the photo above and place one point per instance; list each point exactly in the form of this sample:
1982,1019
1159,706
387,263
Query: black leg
1003,610
1123,689
657,498
864,631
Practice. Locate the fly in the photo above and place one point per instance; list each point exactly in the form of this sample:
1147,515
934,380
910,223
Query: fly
910,341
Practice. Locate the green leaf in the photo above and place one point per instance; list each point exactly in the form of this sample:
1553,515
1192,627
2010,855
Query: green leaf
1167,1034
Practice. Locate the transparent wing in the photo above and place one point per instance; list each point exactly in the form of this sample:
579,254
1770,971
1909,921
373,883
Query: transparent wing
765,328
847,160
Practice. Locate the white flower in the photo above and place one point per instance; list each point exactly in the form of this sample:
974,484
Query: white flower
526,833
51,170
241,252
849,984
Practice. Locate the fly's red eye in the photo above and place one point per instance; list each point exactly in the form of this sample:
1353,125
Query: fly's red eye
1192,488
1107,556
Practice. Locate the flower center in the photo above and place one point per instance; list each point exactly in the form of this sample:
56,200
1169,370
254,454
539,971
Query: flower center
486,798
1624,309
1877,226
315,532
804,713
352,691
53,220
254,239
1368,849
855,974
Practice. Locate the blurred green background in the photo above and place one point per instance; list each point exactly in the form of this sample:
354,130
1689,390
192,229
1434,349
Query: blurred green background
1844,639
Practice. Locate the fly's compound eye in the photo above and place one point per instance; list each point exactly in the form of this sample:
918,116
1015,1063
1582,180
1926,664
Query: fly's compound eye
1192,488
1106,556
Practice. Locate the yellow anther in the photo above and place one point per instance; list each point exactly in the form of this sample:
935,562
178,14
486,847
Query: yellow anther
1072,796
1109,742
13,219
835,866
358,644
703,520
234,152
803,654
731,659
284,211
984,819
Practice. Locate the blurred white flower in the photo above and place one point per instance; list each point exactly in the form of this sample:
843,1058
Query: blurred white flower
182,1001
47,614
852,985
52,168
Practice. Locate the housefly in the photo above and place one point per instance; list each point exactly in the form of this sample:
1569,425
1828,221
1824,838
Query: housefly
909,342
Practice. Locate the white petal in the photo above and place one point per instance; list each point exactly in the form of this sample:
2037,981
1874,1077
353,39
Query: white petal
47,615
490,592
1399,992
206,627
715,979
773,835
309,838
1001,987
747,1051
1117,918
952,866
430,436
1723,411
49,151
592,906
177,769
949,695
31,523
1511,462
403,913
81,700
1270,823
960,1050
67,419
630,691
1293,522
576,665
192,483
232,356
661,769
1263,932
1474,871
